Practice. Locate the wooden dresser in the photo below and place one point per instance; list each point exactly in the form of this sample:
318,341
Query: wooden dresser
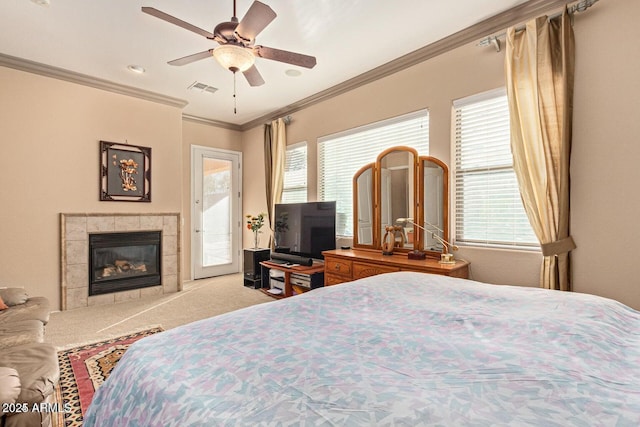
344,265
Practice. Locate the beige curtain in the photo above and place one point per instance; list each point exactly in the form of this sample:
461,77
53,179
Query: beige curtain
539,69
275,150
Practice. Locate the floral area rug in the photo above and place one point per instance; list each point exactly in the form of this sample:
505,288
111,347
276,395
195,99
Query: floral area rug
83,369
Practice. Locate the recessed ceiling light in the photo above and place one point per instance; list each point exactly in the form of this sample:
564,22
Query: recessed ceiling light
41,2
136,69
293,73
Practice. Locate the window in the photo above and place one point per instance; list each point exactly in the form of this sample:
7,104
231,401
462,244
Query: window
488,208
341,155
295,174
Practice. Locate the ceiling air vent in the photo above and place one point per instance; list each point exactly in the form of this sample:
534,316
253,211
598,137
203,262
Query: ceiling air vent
202,87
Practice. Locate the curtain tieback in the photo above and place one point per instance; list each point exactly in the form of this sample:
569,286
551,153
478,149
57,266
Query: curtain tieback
558,247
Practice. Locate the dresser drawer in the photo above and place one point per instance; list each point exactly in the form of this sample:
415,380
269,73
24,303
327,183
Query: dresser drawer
361,270
333,279
339,267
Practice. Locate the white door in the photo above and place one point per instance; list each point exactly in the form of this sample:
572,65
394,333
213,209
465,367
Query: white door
216,212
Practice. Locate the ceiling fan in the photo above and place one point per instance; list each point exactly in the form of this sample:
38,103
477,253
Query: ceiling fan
237,50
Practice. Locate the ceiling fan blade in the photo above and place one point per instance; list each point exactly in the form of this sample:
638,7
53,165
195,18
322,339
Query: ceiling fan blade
257,18
180,23
285,56
253,76
192,58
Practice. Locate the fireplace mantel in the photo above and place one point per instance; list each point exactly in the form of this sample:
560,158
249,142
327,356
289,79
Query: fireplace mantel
74,249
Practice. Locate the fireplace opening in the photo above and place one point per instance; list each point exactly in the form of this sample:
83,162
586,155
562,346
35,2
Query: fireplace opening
124,261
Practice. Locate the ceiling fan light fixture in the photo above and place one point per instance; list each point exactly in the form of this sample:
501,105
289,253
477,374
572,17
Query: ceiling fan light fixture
234,57
44,3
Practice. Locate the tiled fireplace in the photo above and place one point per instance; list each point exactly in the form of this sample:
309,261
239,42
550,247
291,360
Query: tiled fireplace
133,272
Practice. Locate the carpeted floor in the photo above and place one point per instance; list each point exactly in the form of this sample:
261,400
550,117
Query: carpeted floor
91,340
83,369
199,299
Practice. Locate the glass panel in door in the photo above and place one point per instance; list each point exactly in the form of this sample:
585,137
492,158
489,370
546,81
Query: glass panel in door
216,211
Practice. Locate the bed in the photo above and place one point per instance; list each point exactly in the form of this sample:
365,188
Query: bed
398,349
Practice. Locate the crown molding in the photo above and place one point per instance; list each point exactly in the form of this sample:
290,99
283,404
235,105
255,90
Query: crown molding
477,31
210,122
83,79
496,23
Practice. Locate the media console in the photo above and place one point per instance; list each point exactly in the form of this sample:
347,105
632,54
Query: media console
292,259
298,278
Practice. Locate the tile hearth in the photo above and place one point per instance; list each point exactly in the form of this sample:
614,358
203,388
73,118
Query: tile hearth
74,246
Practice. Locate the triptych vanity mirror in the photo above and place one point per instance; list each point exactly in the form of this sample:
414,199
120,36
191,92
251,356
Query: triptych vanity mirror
402,189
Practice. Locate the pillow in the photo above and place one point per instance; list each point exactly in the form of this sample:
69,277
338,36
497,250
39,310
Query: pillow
3,306
14,296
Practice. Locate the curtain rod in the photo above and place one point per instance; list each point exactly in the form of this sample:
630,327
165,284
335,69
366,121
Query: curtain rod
287,120
576,8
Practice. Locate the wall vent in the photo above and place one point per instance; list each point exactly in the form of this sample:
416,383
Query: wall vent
202,87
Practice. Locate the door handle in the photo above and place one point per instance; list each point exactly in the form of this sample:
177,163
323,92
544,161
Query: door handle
197,231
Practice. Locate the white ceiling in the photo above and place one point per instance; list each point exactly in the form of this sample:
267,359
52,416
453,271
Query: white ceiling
100,38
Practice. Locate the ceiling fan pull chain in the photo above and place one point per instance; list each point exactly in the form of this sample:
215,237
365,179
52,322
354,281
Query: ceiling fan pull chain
235,111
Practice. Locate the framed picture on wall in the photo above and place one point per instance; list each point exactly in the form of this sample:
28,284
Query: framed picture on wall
125,172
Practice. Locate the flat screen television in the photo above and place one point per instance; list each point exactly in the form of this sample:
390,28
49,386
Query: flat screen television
305,229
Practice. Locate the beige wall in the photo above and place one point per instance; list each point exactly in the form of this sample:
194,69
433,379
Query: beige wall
432,84
605,152
50,132
205,136
254,200
605,172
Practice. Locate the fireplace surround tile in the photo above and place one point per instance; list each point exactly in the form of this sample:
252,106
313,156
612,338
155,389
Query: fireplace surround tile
76,228
127,223
151,291
170,227
169,245
170,284
127,295
151,222
77,251
78,297
169,265
100,223
74,235
77,276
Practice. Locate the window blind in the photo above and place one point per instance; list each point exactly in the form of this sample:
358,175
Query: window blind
488,207
341,155
295,174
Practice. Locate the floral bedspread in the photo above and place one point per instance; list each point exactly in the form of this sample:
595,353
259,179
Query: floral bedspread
399,349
